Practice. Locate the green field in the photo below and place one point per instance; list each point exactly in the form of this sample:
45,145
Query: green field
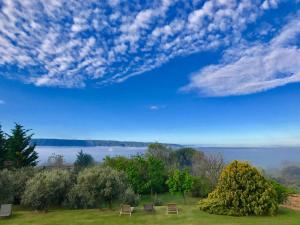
189,215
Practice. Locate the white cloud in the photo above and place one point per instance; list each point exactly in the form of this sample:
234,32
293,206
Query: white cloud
68,43
156,107
253,68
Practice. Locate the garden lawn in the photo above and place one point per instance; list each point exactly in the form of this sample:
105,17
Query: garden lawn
189,215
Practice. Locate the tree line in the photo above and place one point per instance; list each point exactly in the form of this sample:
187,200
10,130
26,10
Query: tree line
235,189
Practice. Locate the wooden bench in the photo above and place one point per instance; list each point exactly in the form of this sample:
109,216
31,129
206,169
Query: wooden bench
126,209
149,207
6,210
172,208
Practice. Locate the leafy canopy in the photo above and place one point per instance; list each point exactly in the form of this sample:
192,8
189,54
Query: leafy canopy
180,181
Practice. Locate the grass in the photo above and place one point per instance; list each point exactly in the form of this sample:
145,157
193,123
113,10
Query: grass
189,215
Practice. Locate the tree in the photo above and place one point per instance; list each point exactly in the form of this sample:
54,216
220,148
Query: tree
145,174
180,182
119,163
156,174
96,185
201,187
241,191
19,148
214,164
3,152
56,161
83,160
46,188
163,153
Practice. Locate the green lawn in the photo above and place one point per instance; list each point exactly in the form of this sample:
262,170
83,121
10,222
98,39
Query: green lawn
189,215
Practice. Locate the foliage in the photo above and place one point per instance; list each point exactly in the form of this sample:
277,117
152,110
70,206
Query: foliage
281,191
157,201
145,174
185,157
119,163
12,184
19,148
180,181
83,160
6,186
201,187
131,198
241,191
46,188
136,172
156,174
96,185
3,152
21,176
56,161
163,153
214,164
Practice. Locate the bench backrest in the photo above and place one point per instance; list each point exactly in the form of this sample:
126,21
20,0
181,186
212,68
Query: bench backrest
126,208
148,207
5,209
172,207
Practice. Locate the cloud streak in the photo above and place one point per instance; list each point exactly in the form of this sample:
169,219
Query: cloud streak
253,67
69,43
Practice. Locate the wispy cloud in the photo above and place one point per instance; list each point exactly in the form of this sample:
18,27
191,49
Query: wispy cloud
2,102
67,42
253,67
156,107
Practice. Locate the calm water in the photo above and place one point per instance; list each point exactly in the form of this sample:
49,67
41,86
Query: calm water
264,157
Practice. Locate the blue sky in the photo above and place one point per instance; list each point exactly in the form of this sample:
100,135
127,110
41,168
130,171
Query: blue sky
194,72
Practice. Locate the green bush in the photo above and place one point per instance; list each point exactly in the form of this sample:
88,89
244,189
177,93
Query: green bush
281,191
46,188
96,185
200,187
241,191
7,187
131,198
181,182
21,176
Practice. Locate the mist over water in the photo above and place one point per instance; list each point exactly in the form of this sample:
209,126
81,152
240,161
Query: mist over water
263,157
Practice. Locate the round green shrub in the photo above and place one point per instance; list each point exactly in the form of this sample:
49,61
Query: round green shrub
95,186
200,187
46,188
241,191
131,198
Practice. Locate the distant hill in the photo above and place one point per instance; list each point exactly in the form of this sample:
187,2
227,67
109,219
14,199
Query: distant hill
91,143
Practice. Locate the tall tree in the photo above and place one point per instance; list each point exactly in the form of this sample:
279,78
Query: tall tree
162,152
19,147
3,153
83,160
156,174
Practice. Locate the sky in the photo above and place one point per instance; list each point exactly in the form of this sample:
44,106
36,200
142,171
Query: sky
213,73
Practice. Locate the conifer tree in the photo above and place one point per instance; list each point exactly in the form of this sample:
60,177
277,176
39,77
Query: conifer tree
19,148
